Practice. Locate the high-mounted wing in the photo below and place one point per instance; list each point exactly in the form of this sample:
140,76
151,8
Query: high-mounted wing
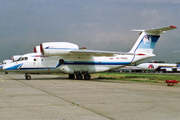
65,48
98,52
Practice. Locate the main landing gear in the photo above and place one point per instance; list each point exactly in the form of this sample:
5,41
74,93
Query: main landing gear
28,77
80,76
87,76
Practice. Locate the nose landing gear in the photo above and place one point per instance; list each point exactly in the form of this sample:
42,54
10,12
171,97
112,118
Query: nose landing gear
28,77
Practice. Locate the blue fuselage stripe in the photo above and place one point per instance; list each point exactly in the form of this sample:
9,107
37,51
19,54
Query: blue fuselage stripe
96,63
67,63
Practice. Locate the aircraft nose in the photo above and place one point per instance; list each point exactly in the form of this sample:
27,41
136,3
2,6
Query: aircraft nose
1,68
6,67
139,66
12,66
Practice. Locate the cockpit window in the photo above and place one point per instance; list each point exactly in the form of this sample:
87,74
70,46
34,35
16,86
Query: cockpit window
22,58
19,59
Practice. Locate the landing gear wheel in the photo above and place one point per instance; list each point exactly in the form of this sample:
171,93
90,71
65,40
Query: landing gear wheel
87,77
28,77
79,76
6,72
71,76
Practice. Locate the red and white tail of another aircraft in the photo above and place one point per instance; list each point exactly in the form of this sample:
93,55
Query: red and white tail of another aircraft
65,57
13,59
160,67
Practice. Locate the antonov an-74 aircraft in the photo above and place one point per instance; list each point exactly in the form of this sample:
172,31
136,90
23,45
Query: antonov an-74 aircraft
64,57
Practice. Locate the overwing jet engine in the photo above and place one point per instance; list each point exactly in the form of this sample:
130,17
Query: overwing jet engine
57,48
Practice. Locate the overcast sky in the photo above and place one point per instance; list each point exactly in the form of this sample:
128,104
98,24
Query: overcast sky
94,24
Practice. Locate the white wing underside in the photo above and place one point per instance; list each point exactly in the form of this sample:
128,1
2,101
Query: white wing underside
98,53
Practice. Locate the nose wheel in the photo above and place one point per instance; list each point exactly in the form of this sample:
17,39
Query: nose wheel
28,77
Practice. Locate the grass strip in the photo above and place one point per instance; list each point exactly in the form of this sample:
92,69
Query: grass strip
138,77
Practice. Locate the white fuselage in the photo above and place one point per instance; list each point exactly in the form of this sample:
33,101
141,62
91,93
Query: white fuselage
37,63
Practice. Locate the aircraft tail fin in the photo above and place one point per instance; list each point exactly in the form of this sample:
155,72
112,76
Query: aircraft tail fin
147,40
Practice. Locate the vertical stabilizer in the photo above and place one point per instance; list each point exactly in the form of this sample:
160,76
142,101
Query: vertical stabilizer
147,40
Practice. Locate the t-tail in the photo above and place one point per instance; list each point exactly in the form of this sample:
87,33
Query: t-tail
147,40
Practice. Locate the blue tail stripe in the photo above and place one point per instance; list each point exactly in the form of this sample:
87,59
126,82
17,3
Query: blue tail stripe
148,42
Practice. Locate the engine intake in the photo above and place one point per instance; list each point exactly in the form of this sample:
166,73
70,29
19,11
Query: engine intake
37,49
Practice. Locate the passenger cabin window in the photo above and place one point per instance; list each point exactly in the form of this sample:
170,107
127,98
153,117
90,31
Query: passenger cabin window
26,58
34,59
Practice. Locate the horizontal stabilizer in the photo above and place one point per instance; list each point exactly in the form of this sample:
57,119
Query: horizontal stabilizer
157,31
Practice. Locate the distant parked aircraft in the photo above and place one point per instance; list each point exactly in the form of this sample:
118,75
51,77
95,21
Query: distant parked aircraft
160,67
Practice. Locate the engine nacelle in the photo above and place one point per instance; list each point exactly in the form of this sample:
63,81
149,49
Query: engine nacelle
57,48
37,49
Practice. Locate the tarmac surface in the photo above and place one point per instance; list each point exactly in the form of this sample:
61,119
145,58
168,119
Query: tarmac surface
58,98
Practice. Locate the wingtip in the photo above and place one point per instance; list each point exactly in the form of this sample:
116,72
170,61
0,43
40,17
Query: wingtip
172,26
